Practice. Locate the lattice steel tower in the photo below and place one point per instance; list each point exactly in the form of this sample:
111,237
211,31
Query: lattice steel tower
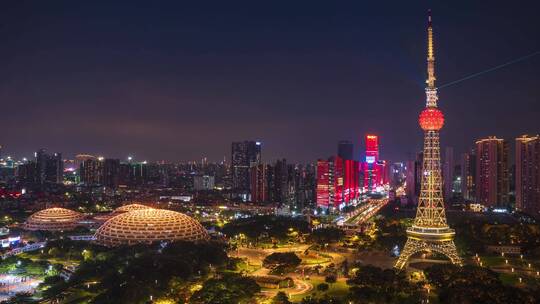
430,232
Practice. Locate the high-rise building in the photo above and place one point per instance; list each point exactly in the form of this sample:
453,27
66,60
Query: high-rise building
80,158
91,171
26,173
527,174
49,168
304,180
259,183
111,172
492,183
374,169
414,177
325,184
337,182
102,172
279,182
430,231
351,181
346,149
398,173
456,184
448,172
203,182
468,176
243,155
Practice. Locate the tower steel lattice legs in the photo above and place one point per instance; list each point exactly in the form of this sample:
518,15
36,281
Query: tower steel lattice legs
413,246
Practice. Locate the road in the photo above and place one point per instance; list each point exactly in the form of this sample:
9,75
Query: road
363,213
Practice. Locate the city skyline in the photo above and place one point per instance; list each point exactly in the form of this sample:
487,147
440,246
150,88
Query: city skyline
179,83
160,153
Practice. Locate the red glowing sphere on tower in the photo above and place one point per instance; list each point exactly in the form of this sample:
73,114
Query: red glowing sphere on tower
431,119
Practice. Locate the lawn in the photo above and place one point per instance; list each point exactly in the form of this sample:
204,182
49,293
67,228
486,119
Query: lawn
314,259
509,279
247,267
491,261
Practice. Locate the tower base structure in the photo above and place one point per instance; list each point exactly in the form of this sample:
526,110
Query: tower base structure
421,239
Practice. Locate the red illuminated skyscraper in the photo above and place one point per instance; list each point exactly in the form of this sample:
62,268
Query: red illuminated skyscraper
325,184
373,168
337,182
372,148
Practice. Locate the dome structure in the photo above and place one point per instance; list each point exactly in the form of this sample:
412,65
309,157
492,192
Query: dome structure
148,226
431,119
53,219
131,207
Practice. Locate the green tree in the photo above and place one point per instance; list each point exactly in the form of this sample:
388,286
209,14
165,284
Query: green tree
282,262
322,287
330,279
374,285
230,289
471,284
327,235
281,298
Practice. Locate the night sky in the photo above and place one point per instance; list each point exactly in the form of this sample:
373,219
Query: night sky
177,81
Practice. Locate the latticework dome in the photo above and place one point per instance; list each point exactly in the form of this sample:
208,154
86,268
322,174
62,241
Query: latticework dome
53,219
148,226
131,207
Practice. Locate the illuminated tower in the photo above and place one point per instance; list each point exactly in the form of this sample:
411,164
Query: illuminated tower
372,172
430,232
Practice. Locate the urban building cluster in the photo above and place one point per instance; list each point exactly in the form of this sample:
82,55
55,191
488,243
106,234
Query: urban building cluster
283,184
342,180
246,178
485,175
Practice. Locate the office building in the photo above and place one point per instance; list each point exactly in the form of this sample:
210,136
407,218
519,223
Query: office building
338,182
243,155
346,149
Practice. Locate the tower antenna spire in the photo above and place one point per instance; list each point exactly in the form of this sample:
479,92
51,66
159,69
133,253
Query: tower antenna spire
430,54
